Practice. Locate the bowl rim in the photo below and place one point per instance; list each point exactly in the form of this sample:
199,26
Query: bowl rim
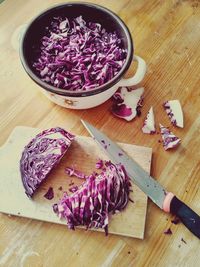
96,90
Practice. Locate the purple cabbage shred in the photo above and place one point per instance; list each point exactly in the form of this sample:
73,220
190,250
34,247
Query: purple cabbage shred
73,189
175,221
73,172
49,194
168,231
98,196
77,55
99,164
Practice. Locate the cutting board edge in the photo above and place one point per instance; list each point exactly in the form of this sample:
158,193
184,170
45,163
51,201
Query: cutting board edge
62,223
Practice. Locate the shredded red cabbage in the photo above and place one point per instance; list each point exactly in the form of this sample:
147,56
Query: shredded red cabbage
99,164
73,189
79,55
41,155
98,196
73,172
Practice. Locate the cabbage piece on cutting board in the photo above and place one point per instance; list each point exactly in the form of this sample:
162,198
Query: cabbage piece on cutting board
82,154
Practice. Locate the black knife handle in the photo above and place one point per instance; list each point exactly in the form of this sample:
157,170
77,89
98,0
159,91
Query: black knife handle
188,217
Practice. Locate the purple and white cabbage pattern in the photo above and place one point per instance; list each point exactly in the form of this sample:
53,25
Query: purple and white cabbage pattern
71,171
149,123
90,205
169,140
127,103
174,111
41,155
77,55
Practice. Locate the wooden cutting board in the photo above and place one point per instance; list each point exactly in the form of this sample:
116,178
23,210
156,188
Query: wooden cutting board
82,154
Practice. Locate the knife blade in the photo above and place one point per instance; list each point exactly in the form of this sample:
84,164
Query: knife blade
165,200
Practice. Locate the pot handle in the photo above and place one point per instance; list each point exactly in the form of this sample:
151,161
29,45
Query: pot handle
139,75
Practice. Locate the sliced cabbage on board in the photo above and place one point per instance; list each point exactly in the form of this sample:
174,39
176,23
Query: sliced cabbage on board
41,155
91,203
127,103
169,140
149,123
174,112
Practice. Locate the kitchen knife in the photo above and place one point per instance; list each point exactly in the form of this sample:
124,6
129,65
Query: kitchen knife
167,201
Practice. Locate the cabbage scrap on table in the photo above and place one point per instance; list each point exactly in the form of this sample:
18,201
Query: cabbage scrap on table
149,123
174,112
169,139
127,103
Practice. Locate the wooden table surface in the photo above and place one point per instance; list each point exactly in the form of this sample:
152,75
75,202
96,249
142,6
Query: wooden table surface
167,35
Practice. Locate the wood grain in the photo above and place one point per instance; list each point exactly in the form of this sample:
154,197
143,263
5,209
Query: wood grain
82,155
167,35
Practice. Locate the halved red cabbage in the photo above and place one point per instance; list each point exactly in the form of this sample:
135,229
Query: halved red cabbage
77,55
98,196
41,155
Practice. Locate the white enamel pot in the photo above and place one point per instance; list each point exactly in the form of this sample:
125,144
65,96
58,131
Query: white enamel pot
91,12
